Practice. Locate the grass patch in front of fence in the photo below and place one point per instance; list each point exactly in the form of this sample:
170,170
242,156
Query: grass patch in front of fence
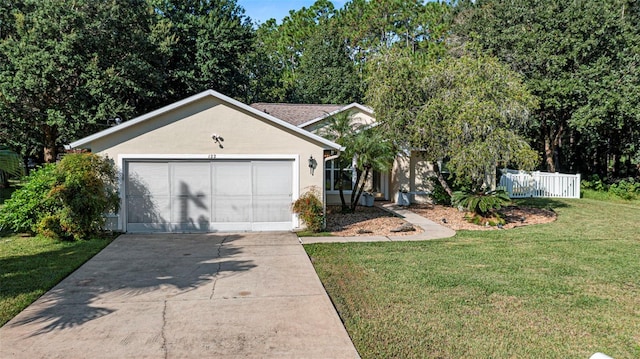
566,289
33,265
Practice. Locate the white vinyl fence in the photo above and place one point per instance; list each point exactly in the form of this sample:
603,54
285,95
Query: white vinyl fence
521,184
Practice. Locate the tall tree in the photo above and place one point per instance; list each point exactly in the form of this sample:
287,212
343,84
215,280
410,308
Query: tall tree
469,111
326,74
68,66
580,59
205,43
285,44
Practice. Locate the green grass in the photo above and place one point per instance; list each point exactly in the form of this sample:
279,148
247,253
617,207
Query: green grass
29,266
566,289
314,234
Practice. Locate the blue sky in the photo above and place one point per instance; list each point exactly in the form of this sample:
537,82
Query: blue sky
262,10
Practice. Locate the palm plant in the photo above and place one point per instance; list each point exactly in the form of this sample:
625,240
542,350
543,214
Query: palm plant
365,147
10,165
481,204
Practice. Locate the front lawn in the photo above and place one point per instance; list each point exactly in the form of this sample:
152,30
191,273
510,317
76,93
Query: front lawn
29,266
566,289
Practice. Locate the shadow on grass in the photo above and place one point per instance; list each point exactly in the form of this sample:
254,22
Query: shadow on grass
132,269
545,203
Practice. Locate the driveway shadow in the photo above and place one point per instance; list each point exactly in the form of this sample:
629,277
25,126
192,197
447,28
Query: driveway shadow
137,268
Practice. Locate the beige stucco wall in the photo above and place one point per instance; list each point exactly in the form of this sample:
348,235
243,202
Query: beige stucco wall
411,173
188,130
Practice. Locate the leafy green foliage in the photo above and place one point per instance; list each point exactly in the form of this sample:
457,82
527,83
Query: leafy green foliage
366,147
580,59
626,188
86,189
439,195
27,205
310,209
470,110
326,73
68,66
63,201
11,162
203,46
482,203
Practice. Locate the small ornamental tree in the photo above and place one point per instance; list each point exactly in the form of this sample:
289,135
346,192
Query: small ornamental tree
67,200
468,110
366,148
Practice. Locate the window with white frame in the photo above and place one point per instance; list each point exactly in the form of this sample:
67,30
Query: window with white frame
333,177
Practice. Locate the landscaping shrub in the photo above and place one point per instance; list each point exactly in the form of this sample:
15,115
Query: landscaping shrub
309,208
483,204
22,212
626,188
65,201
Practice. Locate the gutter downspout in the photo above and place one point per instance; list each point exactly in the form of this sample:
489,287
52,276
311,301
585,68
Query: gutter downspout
324,190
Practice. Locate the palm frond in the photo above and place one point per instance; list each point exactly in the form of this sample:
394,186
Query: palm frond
11,163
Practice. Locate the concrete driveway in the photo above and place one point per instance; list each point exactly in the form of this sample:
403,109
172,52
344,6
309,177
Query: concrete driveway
185,296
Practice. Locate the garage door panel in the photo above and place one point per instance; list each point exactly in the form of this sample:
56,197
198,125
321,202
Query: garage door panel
232,208
272,177
193,211
146,179
148,202
232,179
272,209
147,209
190,196
190,178
272,187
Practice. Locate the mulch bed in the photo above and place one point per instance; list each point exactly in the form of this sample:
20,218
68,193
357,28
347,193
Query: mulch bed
366,221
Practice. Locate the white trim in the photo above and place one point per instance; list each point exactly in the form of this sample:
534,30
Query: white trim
123,158
362,108
201,95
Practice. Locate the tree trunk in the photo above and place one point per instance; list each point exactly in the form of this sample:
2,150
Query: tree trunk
50,148
551,137
360,183
441,179
343,202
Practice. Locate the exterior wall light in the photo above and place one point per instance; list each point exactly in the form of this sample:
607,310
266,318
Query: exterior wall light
217,139
312,164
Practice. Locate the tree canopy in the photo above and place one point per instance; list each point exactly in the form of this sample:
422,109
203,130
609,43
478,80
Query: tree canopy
469,111
68,66
580,59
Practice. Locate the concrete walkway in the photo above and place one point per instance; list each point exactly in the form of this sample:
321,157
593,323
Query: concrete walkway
249,295
431,229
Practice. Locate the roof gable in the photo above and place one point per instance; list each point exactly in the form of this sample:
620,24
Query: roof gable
185,102
295,114
350,107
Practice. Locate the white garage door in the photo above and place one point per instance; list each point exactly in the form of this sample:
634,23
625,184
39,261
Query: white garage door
208,196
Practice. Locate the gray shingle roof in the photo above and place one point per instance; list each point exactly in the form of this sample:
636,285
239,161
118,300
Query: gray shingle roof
295,114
